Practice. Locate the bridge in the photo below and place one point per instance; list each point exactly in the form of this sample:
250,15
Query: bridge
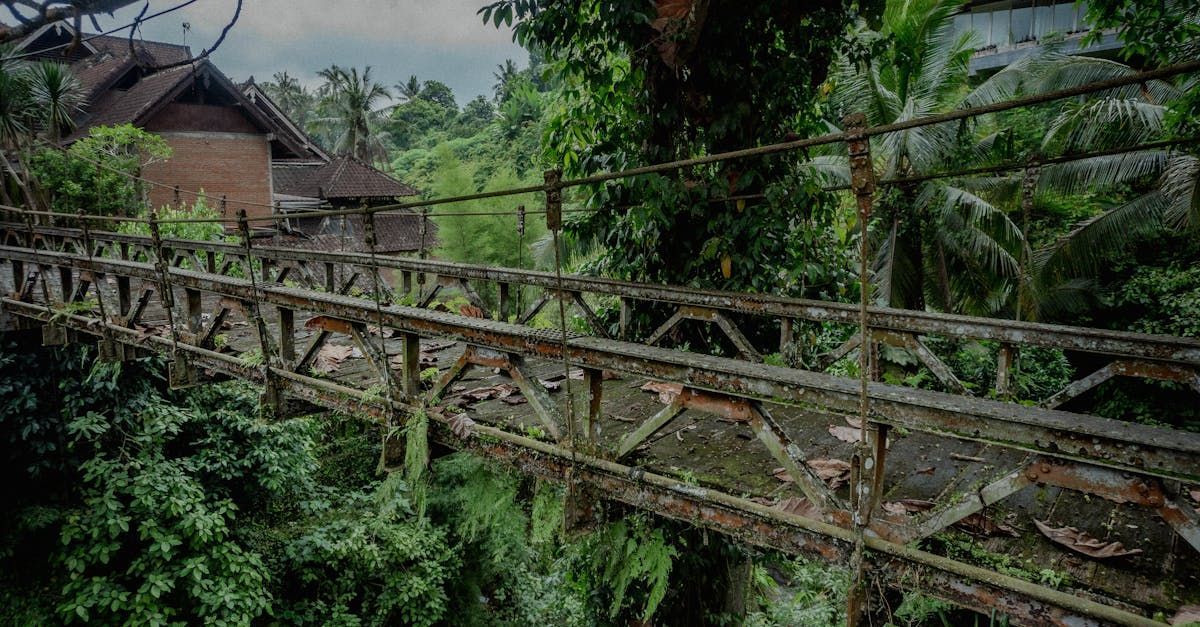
852,471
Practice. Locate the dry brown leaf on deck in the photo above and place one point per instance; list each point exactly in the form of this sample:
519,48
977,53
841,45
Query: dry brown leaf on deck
667,392
978,524
462,426
471,311
798,506
1084,543
514,400
330,357
1187,615
905,507
374,330
500,390
928,470
1195,494
834,472
845,434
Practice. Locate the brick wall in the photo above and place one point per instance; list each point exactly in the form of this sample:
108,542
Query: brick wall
236,165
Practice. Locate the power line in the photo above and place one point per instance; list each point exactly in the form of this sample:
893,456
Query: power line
769,149
118,29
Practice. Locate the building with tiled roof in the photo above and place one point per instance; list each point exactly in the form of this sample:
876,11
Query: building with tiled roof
229,141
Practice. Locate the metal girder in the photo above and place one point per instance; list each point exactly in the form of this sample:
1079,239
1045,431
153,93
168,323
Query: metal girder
742,519
1127,446
1116,343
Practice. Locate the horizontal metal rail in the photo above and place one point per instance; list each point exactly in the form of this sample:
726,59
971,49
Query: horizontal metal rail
1121,445
1084,339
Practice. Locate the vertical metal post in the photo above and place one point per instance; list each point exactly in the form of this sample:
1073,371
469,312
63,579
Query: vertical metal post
626,315
505,302
270,401
411,358
287,336
194,309
867,465
786,333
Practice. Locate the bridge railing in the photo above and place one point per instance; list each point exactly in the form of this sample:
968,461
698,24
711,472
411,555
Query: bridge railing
1111,458
1127,354
68,282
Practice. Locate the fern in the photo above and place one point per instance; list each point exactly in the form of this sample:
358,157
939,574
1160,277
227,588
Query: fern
632,551
416,458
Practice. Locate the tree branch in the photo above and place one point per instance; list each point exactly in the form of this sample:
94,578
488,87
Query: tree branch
38,14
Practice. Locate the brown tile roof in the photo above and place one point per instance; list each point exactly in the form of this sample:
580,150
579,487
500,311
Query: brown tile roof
120,107
396,231
152,52
342,178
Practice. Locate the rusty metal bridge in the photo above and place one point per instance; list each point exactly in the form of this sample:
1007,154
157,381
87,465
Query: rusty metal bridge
751,450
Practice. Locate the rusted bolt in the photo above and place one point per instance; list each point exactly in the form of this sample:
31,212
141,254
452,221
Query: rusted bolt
1045,468
1032,474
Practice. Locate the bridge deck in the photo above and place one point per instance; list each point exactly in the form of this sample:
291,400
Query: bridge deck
718,463
715,451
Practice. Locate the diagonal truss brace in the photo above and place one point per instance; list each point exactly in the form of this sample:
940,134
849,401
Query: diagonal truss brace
740,410
539,399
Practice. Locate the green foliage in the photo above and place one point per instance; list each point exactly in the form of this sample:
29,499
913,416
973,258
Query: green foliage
810,593
465,235
632,559
198,231
636,90
75,181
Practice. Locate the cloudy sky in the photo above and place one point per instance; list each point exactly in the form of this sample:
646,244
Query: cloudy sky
433,39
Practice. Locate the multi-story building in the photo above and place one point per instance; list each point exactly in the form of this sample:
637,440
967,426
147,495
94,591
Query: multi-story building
1010,29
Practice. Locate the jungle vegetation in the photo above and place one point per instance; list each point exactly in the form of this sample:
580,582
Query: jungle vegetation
137,504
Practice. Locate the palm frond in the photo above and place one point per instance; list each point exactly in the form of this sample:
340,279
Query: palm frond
1082,251
1180,187
1062,71
1104,122
1103,172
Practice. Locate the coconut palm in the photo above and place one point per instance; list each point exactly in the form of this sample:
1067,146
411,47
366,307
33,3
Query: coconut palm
291,96
409,90
350,101
1121,117
937,243
504,75
37,99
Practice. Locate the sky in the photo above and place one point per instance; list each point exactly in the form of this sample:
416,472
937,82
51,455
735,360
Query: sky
432,39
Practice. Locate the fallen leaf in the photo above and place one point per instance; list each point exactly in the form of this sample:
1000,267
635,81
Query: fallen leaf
834,472
966,458
845,434
514,400
374,330
462,426
500,390
798,506
905,507
1195,494
330,357
666,391
928,470
1187,614
978,524
551,386
1084,543
471,311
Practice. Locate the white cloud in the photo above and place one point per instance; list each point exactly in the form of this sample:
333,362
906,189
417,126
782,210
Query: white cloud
433,39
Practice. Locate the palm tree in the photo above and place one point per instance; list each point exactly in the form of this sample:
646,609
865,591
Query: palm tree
938,244
350,101
36,99
504,75
409,90
1169,179
291,96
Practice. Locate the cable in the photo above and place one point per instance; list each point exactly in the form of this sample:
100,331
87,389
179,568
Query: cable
18,57
765,150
